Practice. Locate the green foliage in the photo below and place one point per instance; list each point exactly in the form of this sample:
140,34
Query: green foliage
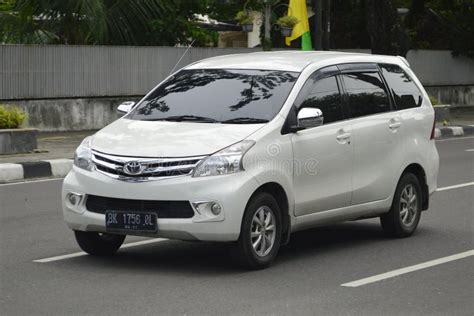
6,5
176,24
434,101
449,25
11,117
384,29
354,23
288,21
460,14
440,24
105,22
349,24
244,17
225,10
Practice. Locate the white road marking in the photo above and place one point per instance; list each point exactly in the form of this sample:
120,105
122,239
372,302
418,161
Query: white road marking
455,138
409,269
31,181
457,186
144,242
82,253
469,149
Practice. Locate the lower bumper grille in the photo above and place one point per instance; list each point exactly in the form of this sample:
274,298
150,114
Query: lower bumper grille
163,209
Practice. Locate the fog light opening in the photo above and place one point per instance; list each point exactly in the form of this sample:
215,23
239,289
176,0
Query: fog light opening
73,198
216,209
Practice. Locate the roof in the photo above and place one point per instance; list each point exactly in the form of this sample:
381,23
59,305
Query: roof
283,60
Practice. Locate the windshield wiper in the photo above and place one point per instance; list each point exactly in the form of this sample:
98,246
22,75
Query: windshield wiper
190,118
245,120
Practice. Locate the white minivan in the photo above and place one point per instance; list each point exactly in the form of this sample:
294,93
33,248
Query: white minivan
250,148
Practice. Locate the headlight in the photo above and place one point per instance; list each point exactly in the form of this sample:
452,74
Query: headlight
83,155
228,160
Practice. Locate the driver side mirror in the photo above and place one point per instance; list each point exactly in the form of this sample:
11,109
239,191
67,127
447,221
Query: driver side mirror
125,107
310,117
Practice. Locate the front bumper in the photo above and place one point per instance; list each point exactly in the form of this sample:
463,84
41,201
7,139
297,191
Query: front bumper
232,192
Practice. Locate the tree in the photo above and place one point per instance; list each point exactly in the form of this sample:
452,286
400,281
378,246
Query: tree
115,22
384,28
456,18
175,24
440,24
348,24
462,42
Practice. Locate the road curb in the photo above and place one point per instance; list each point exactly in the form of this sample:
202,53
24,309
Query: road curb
453,131
59,168
10,172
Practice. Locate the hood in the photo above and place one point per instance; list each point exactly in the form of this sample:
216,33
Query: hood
155,139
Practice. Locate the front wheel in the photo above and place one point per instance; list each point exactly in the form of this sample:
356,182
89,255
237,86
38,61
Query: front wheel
402,219
260,233
99,244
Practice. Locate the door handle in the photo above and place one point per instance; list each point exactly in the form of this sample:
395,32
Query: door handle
394,124
343,136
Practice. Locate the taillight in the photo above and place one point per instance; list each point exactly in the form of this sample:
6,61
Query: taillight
433,129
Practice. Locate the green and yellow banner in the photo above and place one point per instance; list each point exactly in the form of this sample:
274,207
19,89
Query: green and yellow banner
297,8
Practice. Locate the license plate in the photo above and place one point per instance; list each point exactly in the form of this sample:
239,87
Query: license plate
130,221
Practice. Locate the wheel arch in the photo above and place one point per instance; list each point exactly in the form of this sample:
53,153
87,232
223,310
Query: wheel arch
281,197
420,173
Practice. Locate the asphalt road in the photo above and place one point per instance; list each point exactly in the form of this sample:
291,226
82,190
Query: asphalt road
174,277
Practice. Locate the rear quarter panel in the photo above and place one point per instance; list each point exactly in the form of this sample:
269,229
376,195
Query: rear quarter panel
420,148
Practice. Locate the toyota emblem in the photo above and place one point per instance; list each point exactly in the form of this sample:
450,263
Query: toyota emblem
133,168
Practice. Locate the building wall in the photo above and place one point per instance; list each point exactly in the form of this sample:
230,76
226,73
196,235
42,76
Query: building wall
70,114
79,87
455,95
60,71
440,68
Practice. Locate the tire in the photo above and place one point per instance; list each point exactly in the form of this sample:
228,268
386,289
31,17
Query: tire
402,219
262,255
98,244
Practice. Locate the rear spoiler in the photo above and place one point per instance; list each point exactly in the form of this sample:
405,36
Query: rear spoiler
405,61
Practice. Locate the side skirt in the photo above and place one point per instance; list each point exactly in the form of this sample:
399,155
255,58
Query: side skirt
349,213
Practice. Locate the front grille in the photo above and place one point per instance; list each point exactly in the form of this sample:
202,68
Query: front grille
163,209
122,175
153,169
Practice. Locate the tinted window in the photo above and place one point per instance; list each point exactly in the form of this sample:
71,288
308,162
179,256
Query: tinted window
366,93
324,94
220,95
404,90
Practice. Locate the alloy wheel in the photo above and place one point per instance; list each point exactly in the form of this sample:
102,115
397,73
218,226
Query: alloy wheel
408,205
263,231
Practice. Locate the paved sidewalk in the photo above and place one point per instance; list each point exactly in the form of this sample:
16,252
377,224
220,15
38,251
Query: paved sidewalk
459,119
51,145
61,145
460,123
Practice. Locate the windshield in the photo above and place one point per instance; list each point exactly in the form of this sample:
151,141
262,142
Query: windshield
218,96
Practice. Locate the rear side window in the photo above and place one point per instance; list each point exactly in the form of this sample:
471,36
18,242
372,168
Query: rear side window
324,94
404,90
366,93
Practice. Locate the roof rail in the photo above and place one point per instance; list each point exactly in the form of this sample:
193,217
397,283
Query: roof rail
405,61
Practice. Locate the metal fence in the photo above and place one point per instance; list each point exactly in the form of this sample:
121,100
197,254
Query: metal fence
50,71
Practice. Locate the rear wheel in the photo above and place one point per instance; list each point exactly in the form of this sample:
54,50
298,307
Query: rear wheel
260,233
404,216
99,244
